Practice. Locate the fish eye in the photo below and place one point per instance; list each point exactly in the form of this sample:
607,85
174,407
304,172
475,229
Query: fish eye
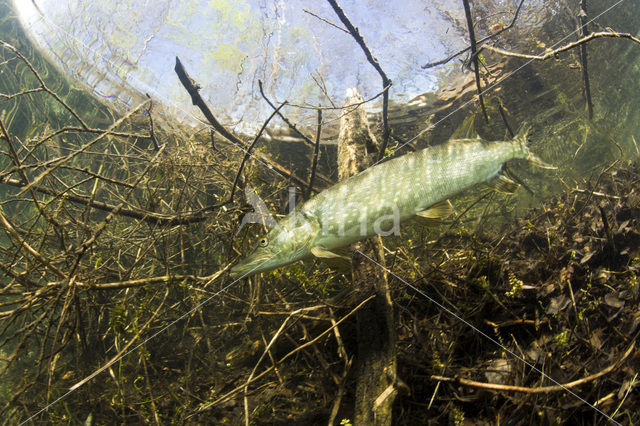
263,242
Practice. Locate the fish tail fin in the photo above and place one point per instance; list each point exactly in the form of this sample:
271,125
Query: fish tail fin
521,140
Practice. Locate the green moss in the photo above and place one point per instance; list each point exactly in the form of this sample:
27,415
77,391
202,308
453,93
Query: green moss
458,416
562,340
515,286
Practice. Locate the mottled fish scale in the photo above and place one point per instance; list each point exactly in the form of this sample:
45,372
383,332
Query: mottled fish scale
412,183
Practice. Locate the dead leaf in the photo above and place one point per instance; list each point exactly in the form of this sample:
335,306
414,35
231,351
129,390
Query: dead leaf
498,371
612,300
587,256
595,339
557,304
623,227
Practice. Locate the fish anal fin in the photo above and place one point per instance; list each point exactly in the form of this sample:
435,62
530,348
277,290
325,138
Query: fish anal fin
435,213
503,184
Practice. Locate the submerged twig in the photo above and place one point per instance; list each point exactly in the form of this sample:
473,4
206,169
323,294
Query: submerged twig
316,150
264,353
386,81
18,166
489,37
538,390
193,89
247,154
474,57
43,86
232,392
283,117
326,21
125,350
343,107
554,53
53,165
503,115
583,57
149,217
21,242
151,128
101,226
140,282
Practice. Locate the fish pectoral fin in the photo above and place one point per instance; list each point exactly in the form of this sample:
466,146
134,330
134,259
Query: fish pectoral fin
338,259
433,215
501,183
323,253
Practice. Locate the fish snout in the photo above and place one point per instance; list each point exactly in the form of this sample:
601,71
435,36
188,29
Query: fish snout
251,265
235,272
240,270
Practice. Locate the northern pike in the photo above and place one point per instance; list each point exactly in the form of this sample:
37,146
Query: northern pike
378,199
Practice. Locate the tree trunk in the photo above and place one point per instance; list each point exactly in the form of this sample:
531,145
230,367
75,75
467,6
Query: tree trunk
376,366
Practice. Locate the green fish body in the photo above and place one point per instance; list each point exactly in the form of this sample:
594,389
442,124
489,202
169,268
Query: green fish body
377,200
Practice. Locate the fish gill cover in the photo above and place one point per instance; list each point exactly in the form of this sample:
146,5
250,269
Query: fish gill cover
121,214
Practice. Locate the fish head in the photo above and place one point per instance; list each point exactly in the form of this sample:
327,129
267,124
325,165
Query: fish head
288,241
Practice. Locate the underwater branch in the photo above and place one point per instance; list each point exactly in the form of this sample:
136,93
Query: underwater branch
537,390
193,88
386,81
554,53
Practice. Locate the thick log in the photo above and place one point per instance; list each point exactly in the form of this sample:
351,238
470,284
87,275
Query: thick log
376,360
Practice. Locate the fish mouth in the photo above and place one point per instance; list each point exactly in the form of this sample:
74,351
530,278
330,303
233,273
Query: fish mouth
250,266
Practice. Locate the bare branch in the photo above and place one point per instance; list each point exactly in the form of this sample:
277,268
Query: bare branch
248,152
554,53
141,282
59,161
326,21
316,150
125,350
12,231
285,119
539,390
386,81
489,37
43,86
193,89
474,57
183,218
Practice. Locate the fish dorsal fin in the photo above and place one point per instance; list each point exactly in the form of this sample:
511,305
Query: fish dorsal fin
503,184
435,213
466,130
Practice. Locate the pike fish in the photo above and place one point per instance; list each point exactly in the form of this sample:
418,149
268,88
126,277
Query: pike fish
378,199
